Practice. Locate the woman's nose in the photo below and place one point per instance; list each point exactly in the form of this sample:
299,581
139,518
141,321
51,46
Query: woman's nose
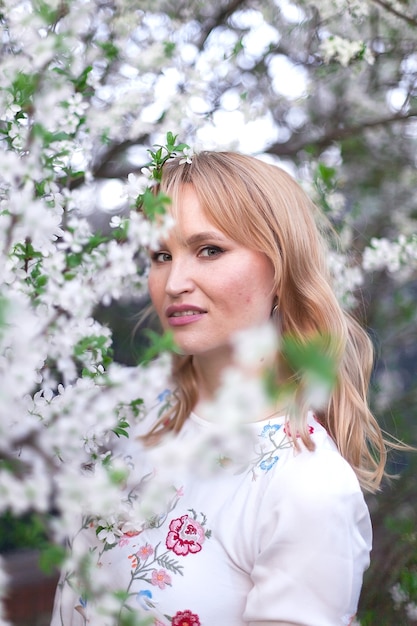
180,278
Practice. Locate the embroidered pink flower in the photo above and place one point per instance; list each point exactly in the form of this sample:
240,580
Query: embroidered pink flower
161,578
145,551
287,430
185,536
123,541
185,618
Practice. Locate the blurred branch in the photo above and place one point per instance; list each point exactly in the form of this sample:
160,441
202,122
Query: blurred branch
109,163
218,19
111,160
295,144
411,21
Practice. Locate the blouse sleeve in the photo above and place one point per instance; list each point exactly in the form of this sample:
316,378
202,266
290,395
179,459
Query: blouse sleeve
69,604
313,543
68,609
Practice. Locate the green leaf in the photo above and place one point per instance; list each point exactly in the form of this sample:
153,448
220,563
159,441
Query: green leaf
169,49
51,558
238,47
159,344
97,344
80,83
51,137
111,51
136,406
152,205
121,430
50,14
311,358
326,174
23,88
117,476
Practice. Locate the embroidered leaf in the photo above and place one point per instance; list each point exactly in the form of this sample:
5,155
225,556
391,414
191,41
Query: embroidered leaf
193,513
170,564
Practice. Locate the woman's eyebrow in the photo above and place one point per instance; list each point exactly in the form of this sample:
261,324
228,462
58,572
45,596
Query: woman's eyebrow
204,236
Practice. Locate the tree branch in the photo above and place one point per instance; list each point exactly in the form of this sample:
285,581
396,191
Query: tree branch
297,143
218,19
411,21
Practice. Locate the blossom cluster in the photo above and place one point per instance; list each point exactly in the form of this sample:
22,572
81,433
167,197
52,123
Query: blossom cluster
344,51
397,257
61,396
402,599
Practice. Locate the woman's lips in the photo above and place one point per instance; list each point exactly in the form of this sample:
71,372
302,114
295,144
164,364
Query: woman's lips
181,315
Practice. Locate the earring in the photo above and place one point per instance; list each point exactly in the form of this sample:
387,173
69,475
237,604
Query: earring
275,310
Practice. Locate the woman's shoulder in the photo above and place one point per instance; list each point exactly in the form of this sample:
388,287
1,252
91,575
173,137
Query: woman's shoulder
318,473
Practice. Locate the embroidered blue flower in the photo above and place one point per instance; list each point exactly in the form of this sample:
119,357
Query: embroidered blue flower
164,395
144,597
82,601
268,463
269,430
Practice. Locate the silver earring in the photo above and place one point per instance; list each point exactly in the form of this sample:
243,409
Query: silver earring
275,310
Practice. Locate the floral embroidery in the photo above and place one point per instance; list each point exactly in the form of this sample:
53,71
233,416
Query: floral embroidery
133,561
143,567
269,430
123,541
273,438
186,535
81,609
185,618
287,430
126,537
165,398
268,463
144,598
160,578
145,551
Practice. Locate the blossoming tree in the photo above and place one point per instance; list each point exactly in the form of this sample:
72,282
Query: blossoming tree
327,89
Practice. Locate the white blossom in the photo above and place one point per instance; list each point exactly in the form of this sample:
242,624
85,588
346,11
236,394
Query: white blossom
411,610
398,594
344,51
399,257
136,185
188,155
329,8
255,346
347,278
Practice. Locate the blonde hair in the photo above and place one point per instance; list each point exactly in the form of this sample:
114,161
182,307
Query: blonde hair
261,206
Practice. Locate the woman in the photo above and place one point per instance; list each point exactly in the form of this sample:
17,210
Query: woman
284,538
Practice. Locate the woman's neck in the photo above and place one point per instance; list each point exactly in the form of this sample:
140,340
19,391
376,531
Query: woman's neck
209,373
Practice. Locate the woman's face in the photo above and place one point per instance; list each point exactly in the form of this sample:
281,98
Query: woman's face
205,286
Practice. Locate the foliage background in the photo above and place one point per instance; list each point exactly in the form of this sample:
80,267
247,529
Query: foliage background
326,89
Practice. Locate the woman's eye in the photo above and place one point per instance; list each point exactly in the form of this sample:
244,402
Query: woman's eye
160,257
210,251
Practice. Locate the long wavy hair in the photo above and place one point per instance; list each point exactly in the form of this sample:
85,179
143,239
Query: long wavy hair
261,206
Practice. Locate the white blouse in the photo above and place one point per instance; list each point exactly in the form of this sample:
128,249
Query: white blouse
286,538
